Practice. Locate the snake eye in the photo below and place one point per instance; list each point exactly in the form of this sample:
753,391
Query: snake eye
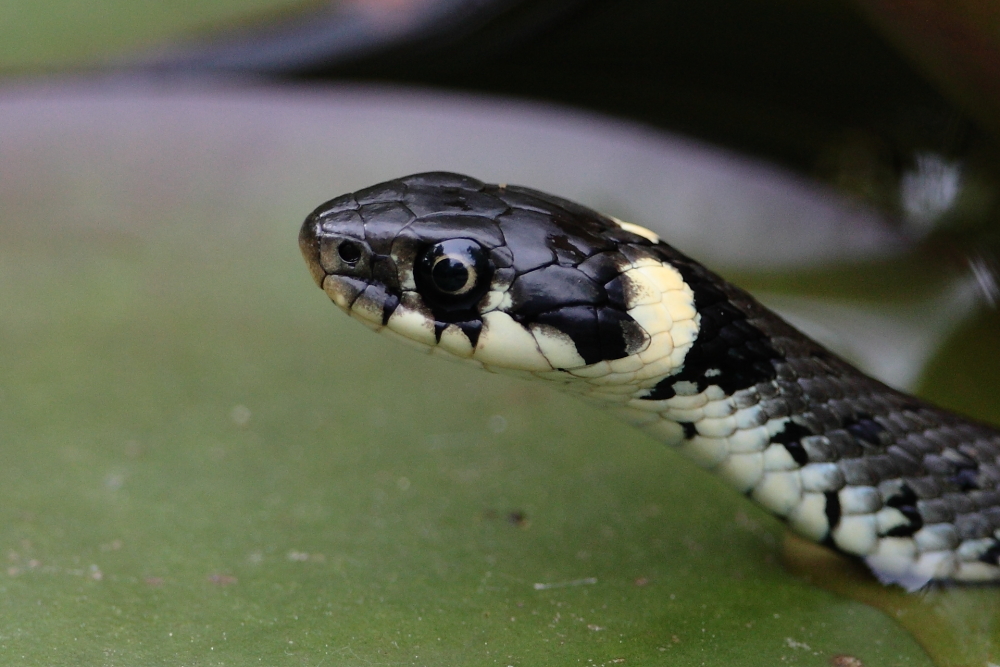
454,272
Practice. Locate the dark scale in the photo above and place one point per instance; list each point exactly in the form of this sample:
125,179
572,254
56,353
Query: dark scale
966,471
992,555
965,479
471,329
791,436
391,303
905,500
832,515
865,429
553,287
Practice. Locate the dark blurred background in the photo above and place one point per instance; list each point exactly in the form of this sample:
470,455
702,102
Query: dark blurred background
894,102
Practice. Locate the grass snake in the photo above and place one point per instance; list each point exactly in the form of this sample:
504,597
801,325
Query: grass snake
516,281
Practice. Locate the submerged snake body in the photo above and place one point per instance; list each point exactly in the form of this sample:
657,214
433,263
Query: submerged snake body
517,281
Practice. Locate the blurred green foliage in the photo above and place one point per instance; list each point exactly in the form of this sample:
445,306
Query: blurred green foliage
46,35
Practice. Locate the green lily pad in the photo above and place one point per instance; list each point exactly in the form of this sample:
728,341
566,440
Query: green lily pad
48,34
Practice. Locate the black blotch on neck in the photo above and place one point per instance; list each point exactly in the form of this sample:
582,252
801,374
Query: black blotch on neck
689,430
736,353
905,500
663,390
832,512
790,436
992,555
903,497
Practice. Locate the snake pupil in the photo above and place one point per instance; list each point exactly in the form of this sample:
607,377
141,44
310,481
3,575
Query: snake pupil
349,252
450,275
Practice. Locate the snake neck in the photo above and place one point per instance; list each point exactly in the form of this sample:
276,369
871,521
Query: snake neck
844,459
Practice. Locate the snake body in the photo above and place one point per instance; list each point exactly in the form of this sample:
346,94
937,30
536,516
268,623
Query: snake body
521,282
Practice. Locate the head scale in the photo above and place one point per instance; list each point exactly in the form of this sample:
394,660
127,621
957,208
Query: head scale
508,278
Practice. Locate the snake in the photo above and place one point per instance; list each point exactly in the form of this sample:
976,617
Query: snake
516,281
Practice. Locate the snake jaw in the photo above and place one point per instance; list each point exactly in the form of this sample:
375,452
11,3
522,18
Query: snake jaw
343,291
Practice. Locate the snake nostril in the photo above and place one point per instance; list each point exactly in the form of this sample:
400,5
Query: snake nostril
349,252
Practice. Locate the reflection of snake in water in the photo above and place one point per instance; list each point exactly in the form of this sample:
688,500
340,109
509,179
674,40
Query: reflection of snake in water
517,281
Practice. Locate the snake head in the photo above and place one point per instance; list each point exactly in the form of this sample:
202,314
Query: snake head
507,277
